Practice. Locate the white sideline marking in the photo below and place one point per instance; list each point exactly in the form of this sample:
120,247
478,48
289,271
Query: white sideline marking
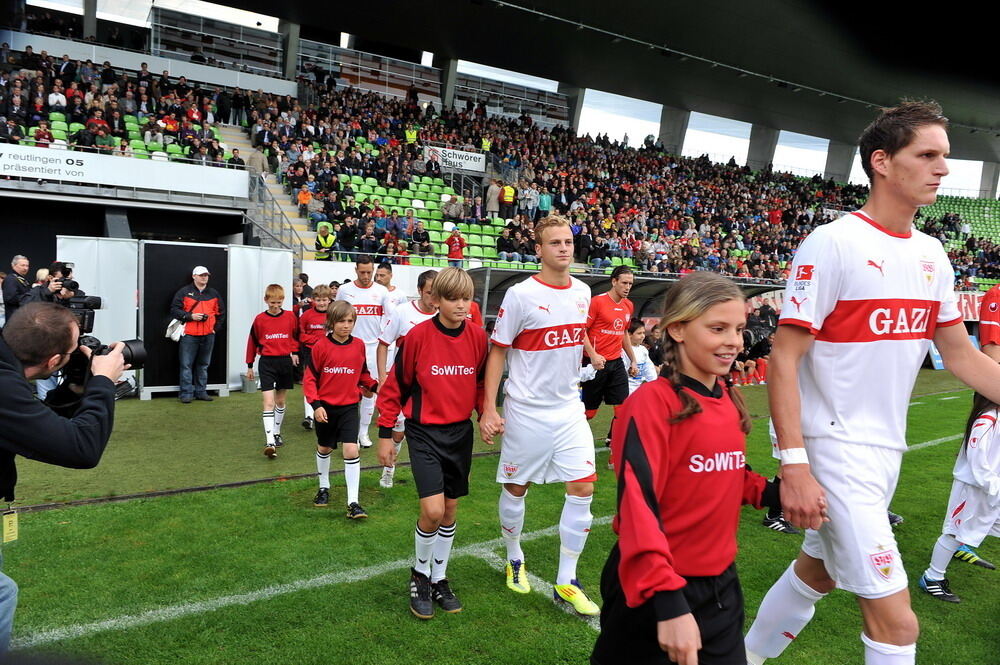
129,621
915,403
934,442
952,397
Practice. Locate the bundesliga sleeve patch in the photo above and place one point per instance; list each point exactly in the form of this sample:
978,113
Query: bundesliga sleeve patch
804,272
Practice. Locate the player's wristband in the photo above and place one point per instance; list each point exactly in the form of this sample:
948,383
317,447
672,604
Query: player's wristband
793,456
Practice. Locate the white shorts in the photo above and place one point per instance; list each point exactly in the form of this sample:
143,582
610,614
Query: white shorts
971,516
371,360
400,425
857,545
546,445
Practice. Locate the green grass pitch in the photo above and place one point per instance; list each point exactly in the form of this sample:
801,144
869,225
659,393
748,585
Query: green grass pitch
255,574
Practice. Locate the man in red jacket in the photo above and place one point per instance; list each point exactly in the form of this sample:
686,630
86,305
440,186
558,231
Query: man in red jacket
201,308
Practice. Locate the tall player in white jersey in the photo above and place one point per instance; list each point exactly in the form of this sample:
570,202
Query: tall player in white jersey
383,275
370,301
397,323
541,332
866,295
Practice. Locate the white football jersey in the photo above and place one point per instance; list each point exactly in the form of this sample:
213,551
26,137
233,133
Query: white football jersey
370,305
647,370
872,299
396,298
978,462
544,327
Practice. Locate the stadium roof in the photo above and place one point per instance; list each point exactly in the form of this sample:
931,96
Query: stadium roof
875,53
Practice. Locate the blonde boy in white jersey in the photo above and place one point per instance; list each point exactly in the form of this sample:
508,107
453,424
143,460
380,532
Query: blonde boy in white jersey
371,302
541,331
869,292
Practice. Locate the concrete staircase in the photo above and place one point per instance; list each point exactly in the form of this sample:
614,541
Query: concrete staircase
235,137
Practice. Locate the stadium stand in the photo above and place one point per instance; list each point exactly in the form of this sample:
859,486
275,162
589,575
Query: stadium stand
359,155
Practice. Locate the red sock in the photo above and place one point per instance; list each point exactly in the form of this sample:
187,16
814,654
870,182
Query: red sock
591,413
762,369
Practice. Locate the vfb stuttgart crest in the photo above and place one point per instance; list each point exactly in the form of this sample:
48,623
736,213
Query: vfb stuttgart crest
883,562
927,269
509,469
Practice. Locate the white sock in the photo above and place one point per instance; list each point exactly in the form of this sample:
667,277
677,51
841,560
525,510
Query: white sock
352,476
442,550
944,548
877,653
784,612
308,408
391,469
367,411
323,467
279,416
424,542
511,523
268,418
574,525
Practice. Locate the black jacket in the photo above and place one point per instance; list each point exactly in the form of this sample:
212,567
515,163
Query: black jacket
30,429
15,292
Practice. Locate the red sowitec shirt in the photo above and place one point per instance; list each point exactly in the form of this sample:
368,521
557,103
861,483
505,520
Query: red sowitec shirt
682,488
312,326
437,378
273,335
336,373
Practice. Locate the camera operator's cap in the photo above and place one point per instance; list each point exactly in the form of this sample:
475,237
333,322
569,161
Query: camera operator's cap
200,270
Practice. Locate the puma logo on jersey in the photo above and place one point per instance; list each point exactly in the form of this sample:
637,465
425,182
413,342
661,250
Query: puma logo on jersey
545,308
798,303
877,266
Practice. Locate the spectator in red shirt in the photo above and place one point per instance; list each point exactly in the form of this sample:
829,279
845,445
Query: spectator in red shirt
456,248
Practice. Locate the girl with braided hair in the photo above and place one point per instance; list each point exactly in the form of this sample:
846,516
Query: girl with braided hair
670,584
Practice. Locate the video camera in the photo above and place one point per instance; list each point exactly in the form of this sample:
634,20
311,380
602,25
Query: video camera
65,399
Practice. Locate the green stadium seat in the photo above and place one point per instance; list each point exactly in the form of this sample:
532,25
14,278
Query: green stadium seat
402,201
357,180
74,127
59,124
366,189
435,236
449,190
437,214
388,200
145,120
420,213
436,181
432,224
59,135
371,182
137,144
173,149
380,191
437,189
476,251
395,192
56,116
134,136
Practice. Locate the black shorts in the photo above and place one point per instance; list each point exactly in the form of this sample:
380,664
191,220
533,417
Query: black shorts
440,458
628,635
276,373
341,426
610,385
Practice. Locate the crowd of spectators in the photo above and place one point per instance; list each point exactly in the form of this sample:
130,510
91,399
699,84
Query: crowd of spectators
668,214
81,105
972,258
643,206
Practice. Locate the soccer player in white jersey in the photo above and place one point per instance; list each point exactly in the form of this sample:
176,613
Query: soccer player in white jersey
540,331
867,292
370,301
383,275
398,322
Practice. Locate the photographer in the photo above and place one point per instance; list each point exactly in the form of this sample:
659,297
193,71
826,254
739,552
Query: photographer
58,288
38,340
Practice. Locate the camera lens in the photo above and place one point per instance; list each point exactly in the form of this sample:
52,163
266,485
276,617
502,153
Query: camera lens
134,353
